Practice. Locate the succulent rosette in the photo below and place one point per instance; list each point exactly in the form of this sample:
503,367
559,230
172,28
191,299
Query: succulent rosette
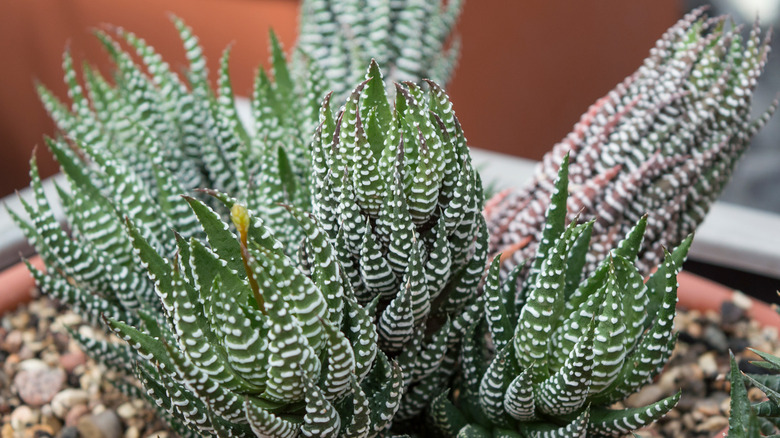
397,194
565,346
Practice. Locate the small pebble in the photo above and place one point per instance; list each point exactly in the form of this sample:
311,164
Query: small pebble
69,361
39,431
741,300
674,429
695,330
32,365
32,348
11,364
715,338
37,386
669,380
126,411
61,340
647,395
75,413
132,432
692,371
696,387
12,342
756,395
20,320
712,317
730,312
688,421
708,364
24,416
708,408
713,424
67,399
104,425
69,432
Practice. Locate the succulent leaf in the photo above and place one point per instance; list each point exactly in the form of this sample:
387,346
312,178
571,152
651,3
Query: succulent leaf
445,416
265,423
567,390
519,400
619,422
321,419
493,386
576,429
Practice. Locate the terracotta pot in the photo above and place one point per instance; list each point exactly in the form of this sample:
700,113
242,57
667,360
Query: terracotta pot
17,285
699,293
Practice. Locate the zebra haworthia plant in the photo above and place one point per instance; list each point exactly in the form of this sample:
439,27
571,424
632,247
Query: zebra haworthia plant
399,199
408,38
664,143
228,336
566,349
202,142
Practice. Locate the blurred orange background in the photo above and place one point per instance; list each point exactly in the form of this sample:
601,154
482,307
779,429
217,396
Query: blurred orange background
528,69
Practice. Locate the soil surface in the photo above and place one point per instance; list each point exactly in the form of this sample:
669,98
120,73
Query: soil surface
698,368
49,388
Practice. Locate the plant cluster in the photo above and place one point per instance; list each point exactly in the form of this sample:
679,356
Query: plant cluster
331,280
